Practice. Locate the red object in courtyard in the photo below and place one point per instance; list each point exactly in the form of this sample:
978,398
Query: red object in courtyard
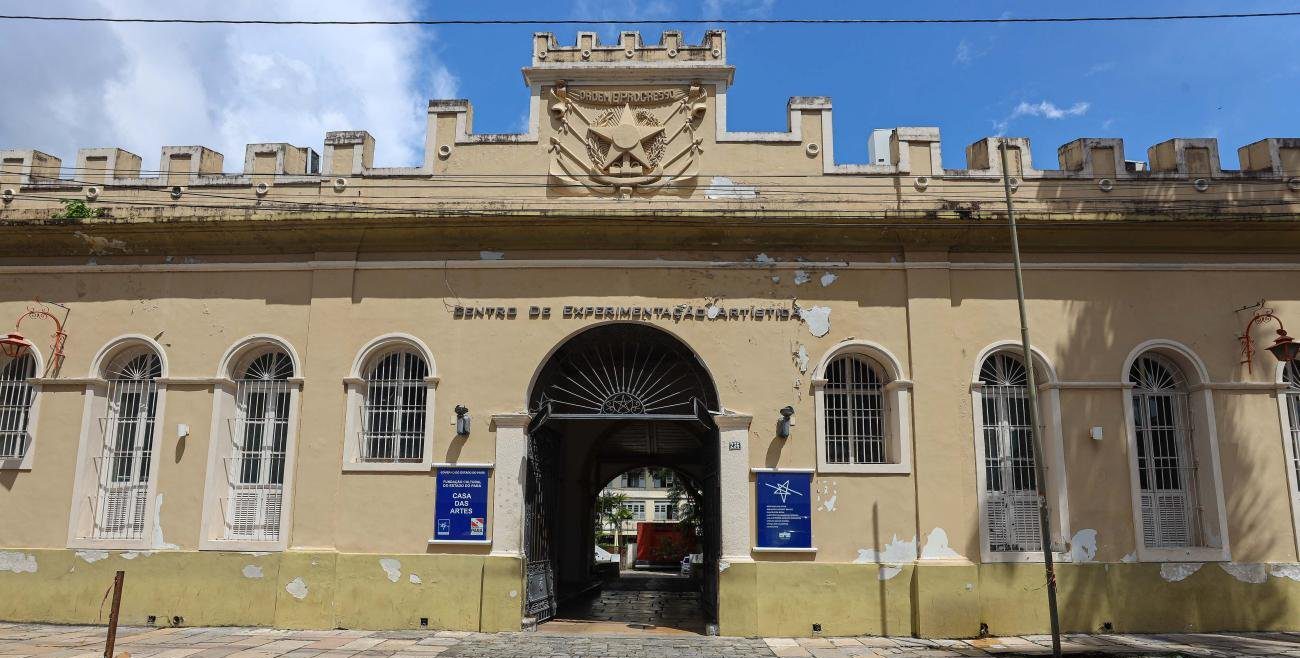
662,543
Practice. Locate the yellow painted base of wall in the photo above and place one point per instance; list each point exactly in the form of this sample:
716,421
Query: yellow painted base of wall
287,590
954,599
476,592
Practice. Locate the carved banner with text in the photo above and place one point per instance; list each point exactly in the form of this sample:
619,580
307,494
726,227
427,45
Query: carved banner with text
617,142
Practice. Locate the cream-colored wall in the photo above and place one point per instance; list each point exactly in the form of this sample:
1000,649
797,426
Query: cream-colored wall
935,320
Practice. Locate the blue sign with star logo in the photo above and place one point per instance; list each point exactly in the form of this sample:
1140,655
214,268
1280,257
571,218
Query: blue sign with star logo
784,510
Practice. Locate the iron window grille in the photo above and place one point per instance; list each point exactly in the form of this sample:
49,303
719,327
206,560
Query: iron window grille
16,397
1291,377
394,410
854,411
1011,502
1166,458
260,436
127,438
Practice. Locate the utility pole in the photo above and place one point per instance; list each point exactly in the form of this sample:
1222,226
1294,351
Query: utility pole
1044,519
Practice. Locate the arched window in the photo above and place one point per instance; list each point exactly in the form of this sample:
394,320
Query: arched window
854,411
393,414
16,396
1166,461
1010,480
862,404
389,424
128,428
1291,377
263,399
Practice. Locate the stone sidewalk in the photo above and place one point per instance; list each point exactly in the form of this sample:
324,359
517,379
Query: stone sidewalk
49,641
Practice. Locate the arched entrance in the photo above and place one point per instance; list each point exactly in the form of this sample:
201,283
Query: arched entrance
614,397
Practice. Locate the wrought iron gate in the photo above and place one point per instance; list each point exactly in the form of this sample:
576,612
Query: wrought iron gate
539,508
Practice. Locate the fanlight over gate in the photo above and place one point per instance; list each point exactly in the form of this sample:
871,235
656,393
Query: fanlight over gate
623,371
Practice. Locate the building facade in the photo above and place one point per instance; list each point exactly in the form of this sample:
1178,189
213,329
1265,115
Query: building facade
322,393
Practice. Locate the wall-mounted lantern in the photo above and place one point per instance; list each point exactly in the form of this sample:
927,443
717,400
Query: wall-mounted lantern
1284,348
15,344
462,420
783,425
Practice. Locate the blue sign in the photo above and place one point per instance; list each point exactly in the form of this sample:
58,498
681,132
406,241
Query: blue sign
460,506
784,510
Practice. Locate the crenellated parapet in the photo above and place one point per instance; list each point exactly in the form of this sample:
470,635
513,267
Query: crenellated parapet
636,121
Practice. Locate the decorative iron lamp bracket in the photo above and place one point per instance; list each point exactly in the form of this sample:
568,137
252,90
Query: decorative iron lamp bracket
14,345
1284,347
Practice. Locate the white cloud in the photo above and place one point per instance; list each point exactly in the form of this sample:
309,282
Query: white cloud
968,51
1043,109
1049,110
141,87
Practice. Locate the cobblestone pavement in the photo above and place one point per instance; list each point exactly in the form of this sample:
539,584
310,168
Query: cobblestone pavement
49,641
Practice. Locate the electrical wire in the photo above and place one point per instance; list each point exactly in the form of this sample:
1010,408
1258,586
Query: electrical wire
683,21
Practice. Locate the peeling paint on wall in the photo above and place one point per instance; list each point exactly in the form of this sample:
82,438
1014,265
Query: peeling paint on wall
415,580
158,541
776,279
1246,573
723,565
818,319
897,552
1177,571
829,504
17,562
391,567
1130,558
491,255
129,555
712,311
724,188
764,258
92,556
828,278
801,277
100,245
1291,571
801,357
936,546
297,588
1083,546
252,571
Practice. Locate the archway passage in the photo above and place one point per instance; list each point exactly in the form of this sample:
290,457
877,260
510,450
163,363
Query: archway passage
612,399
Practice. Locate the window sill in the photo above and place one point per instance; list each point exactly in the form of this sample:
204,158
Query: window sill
114,544
460,542
242,545
387,467
1032,557
866,469
1195,554
783,549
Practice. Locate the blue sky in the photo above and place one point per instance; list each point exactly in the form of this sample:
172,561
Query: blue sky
145,86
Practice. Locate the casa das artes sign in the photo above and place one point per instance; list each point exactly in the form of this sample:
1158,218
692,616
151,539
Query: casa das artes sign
784,509
677,313
460,508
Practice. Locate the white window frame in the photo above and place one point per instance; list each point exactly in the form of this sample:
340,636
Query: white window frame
633,506
1049,415
355,386
897,395
36,382
1205,438
85,488
213,534
1288,394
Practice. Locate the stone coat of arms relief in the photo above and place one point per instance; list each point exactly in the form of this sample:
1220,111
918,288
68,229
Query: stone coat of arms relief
623,142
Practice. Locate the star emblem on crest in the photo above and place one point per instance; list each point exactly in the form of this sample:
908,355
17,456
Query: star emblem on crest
626,139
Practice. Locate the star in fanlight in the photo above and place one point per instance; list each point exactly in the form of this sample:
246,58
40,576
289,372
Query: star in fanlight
626,137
